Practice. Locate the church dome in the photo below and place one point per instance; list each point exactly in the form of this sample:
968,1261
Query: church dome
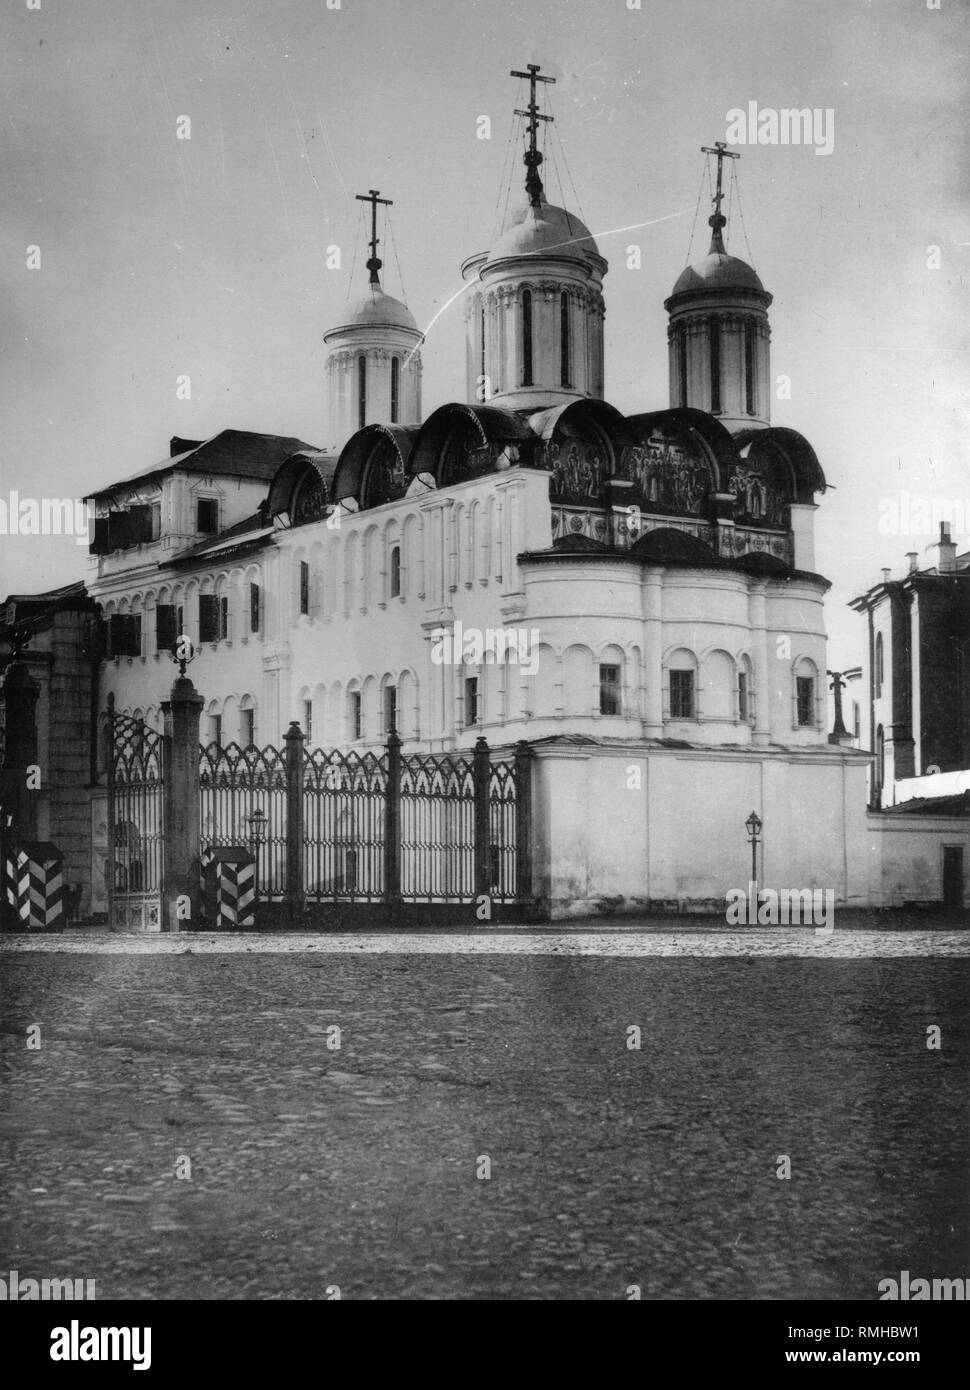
718,271
375,309
544,230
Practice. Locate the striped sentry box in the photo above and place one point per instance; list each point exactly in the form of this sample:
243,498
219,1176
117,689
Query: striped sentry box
39,886
230,878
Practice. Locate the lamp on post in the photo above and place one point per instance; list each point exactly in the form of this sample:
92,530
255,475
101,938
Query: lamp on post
753,826
256,821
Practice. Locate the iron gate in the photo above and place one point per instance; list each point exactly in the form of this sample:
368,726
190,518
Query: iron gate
136,830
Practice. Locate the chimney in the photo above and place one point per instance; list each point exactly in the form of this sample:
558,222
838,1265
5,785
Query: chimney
885,576
946,551
913,557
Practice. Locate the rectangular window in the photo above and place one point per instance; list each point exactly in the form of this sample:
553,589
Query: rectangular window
390,708
180,620
304,587
855,719
743,696
207,515
681,694
125,634
140,525
215,729
308,720
471,701
395,388
356,716
254,607
165,631
208,618
395,571
361,391
526,337
223,618
249,727
805,700
564,344
715,341
749,367
682,364
609,690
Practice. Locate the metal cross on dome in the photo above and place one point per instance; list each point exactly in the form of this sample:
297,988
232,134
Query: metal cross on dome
532,157
720,149
372,197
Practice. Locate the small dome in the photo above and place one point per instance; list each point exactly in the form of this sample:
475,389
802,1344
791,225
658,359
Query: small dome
718,271
545,229
376,309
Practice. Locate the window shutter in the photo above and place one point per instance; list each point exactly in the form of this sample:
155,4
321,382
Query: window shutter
208,618
165,628
100,545
115,629
117,530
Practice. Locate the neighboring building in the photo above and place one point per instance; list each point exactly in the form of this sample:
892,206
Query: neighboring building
62,657
918,714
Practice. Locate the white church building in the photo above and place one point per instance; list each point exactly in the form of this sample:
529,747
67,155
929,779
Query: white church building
636,596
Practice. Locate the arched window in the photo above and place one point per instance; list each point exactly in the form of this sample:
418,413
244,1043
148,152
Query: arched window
681,685
395,388
714,338
806,694
526,337
749,367
880,669
880,770
682,364
481,327
395,576
564,343
361,391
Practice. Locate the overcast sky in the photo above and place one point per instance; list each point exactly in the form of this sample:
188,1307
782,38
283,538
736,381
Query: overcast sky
206,256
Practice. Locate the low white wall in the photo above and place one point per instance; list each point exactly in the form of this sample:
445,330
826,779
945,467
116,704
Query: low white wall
626,829
906,857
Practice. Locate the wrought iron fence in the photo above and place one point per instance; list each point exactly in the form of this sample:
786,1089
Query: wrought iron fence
323,825
344,815
136,821
243,802
437,833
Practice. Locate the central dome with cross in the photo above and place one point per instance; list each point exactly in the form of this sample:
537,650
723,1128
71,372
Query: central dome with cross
534,309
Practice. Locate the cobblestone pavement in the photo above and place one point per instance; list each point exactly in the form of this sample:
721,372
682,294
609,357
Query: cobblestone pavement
362,1167
552,941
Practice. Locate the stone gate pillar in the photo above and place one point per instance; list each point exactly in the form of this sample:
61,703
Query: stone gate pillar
20,693
181,907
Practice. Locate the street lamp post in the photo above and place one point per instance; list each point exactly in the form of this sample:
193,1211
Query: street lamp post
257,831
753,826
